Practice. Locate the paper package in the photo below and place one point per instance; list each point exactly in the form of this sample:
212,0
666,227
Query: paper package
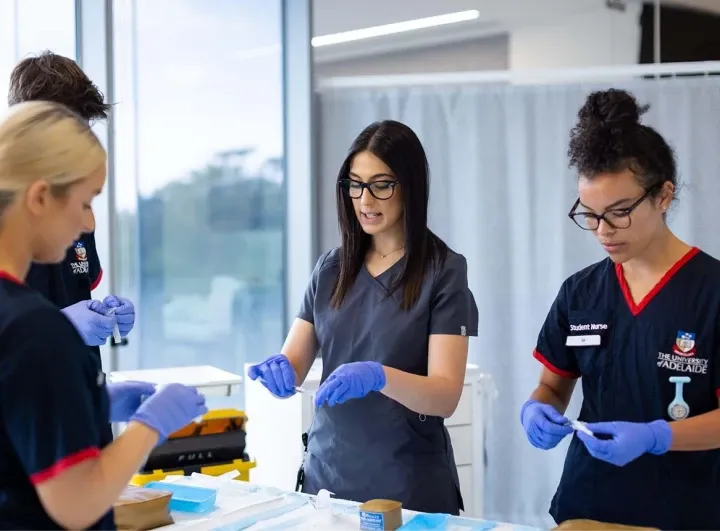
142,509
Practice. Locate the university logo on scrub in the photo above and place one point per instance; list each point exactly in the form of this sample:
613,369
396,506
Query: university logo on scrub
80,266
683,358
684,344
80,252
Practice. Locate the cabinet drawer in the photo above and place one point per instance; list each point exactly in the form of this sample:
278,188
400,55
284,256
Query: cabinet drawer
463,413
462,442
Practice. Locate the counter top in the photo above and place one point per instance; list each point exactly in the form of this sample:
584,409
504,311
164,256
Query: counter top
247,506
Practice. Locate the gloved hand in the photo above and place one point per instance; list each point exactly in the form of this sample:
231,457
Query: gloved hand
90,320
351,380
543,425
276,374
126,397
124,312
170,408
629,440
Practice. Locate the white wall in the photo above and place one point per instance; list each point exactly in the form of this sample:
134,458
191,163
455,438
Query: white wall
491,53
600,37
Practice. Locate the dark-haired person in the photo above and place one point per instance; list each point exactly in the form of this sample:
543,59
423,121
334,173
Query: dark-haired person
641,329
391,312
68,285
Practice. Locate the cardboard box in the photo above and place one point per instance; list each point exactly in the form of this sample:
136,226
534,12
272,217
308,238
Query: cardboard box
142,509
380,515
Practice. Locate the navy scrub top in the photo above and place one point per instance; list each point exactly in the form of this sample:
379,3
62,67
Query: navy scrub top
54,408
73,279
375,447
630,376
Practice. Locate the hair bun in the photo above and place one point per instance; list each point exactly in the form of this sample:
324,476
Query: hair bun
611,109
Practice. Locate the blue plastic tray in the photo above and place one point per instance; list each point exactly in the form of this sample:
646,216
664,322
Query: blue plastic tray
186,498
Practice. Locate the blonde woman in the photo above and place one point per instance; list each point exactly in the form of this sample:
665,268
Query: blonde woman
58,467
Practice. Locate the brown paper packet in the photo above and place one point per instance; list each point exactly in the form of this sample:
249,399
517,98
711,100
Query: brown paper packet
140,509
592,525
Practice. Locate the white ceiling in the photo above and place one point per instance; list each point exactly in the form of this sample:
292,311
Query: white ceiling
496,16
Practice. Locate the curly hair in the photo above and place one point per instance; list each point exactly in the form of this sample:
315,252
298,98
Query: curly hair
52,77
609,138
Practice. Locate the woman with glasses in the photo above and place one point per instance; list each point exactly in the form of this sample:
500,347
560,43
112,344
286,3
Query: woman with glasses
641,330
391,312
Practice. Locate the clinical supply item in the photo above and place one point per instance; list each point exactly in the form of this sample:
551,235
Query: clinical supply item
276,374
579,425
380,515
218,438
116,329
543,425
426,522
593,525
170,408
323,506
93,326
187,498
126,397
142,509
240,466
302,390
350,380
447,522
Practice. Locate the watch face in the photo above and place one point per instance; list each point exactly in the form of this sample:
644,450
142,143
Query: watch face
678,411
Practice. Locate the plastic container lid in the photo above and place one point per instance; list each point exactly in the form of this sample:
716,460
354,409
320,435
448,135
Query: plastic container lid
209,380
186,498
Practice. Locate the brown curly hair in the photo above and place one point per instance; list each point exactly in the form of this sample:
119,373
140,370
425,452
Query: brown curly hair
610,138
52,77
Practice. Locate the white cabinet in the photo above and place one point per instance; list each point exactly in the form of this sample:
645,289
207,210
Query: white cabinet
275,427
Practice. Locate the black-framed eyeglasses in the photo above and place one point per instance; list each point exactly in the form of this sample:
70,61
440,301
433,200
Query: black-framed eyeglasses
382,190
617,218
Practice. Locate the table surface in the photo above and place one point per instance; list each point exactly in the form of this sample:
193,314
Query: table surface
197,376
247,506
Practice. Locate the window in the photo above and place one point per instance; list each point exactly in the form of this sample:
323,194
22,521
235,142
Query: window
31,26
198,183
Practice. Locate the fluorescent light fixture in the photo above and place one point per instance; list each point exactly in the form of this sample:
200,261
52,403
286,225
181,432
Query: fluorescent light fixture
397,27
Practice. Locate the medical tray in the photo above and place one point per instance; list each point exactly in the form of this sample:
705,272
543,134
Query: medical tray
242,466
187,498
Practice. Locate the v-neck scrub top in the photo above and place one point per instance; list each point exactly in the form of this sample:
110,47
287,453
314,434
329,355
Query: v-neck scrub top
54,405
73,279
657,359
374,447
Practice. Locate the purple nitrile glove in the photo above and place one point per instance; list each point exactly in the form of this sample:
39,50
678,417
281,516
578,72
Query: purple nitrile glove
629,440
170,408
124,312
351,380
90,321
543,425
126,397
276,374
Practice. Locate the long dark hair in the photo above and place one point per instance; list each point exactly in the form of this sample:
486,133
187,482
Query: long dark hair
400,149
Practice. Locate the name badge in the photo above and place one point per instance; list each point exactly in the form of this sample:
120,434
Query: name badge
583,341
